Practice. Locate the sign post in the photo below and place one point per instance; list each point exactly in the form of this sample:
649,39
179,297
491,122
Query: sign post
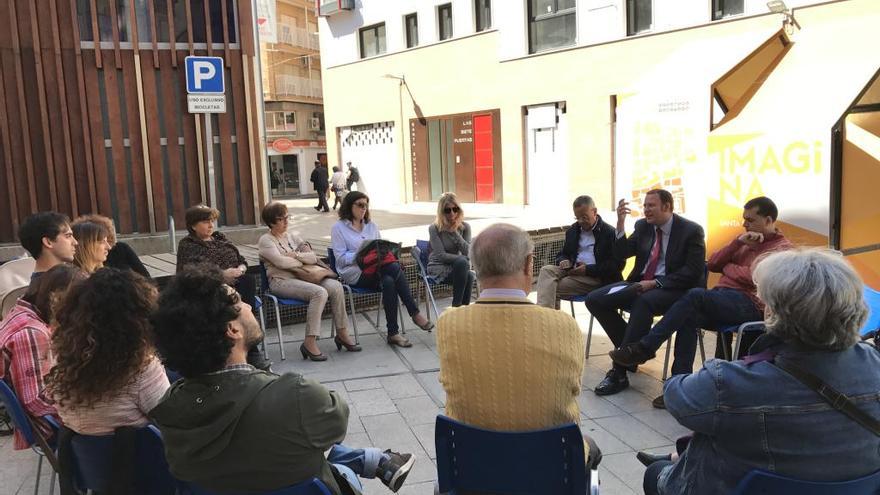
206,94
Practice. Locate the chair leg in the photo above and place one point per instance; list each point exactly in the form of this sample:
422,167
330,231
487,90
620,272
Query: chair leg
402,325
39,472
668,352
429,293
739,338
263,328
724,346
589,335
278,327
702,347
52,481
354,325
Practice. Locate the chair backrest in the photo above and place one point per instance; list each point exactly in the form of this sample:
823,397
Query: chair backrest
264,277
16,412
872,299
93,466
424,250
8,300
313,486
761,482
541,462
16,273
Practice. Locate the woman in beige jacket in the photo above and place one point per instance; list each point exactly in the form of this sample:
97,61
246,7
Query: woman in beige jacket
281,251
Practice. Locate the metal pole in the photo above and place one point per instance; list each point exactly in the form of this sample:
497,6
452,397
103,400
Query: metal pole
209,158
172,235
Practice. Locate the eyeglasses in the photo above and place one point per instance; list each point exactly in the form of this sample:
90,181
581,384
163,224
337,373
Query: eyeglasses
454,209
362,204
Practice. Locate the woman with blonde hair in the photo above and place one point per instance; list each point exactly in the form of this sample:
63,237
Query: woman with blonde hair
121,255
92,245
450,238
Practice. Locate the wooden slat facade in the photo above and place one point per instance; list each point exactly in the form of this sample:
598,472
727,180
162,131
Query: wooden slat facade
93,113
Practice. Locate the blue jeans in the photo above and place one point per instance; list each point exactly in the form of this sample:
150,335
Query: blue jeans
353,463
699,308
462,280
652,476
393,284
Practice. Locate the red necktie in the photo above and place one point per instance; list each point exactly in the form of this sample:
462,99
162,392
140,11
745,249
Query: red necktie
654,260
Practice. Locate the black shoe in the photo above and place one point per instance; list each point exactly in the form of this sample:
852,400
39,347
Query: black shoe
631,354
317,208
308,355
658,402
394,469
647,458
614,382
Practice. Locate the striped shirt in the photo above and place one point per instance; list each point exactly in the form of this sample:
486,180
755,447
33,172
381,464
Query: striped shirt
25,360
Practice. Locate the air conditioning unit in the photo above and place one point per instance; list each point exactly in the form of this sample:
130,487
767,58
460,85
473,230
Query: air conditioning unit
327,8
315,124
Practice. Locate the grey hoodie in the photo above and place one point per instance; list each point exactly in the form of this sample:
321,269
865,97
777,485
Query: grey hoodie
243,430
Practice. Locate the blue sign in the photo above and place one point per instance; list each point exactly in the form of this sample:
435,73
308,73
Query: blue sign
205,75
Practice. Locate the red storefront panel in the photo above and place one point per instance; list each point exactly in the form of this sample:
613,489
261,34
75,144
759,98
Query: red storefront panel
484,160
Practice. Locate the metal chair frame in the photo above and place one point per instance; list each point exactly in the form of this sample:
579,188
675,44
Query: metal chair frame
571,300
37,443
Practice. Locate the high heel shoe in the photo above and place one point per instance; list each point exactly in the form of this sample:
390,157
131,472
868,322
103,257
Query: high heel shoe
308,355
348,347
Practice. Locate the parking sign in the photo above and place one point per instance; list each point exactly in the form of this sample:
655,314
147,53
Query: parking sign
205,75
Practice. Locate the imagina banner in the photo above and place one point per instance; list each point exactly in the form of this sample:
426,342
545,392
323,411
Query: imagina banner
266,21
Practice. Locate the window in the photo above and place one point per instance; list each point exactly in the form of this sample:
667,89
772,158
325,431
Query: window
638,16
372,40
281,121
444,21
483,14
551,24
726,8
411,27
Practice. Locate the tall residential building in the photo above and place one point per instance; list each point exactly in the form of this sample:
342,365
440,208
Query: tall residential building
291,70
536,102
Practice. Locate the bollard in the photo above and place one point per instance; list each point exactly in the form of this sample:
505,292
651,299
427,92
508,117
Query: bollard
172,235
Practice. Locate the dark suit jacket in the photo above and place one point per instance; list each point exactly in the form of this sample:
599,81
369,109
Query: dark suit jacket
319,179
685,254
607,267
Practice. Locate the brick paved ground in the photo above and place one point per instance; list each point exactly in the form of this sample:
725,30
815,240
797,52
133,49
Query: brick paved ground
395,395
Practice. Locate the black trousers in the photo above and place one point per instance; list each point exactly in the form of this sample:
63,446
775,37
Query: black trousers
322,199
642,309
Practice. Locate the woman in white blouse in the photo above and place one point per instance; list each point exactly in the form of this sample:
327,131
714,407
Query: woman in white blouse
282,251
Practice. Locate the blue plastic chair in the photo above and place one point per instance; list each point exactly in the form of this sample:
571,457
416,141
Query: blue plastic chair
313,486
350,291
279,301
872,299
540,462
759,482
22,423
93,463
420,253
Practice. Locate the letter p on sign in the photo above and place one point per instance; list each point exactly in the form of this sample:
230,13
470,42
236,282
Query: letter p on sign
204,75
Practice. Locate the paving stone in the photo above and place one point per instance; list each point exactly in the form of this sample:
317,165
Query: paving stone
372,402
609,484
426,488
425,435
632,432
402,386
390,431
607,442
626,468
631,401
357,440
362,384
418,410
431,383
593,406
663,423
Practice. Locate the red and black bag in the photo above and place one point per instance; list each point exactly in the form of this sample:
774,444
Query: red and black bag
374,254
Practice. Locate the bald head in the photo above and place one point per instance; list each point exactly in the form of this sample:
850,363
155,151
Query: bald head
502,250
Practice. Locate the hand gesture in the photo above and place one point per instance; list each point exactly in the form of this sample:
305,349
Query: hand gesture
751,238
645,286
622,211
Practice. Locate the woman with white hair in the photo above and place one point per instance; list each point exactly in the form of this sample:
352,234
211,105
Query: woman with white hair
759,413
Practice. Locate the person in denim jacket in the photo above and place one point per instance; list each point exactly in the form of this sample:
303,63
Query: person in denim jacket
751,414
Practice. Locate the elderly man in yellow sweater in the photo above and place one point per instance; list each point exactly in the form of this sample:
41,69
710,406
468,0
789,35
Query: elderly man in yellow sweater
508,364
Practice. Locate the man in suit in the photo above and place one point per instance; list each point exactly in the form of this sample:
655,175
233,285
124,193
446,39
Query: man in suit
321,181
670,256
586,261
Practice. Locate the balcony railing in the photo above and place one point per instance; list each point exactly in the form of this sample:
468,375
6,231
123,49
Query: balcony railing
298,86
297,36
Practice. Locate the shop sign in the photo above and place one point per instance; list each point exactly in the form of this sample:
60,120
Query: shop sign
282,145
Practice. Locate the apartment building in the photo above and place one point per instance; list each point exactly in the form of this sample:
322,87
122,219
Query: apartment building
293,99
534,102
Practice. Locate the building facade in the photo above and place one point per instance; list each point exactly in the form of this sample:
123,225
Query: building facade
292,94
94,116
539,101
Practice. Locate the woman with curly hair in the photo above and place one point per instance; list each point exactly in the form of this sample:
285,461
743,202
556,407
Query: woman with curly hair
92,245
106,374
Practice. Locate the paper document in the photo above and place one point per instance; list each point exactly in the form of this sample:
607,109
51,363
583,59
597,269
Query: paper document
618,288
